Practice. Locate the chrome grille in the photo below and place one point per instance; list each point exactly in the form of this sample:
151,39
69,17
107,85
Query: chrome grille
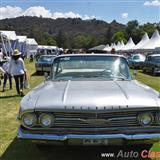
95,120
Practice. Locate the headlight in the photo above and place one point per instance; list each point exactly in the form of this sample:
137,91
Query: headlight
46,120
29,119
145,119
158,118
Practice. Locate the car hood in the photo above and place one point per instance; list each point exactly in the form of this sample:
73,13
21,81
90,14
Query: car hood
91,95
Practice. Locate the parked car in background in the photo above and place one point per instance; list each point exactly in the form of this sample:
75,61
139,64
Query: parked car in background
136,61
152,64
44,63
90,99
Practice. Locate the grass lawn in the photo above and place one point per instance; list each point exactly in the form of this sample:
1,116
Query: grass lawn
14,149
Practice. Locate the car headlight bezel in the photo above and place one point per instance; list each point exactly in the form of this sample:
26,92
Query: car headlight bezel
51,120
141,119
34,117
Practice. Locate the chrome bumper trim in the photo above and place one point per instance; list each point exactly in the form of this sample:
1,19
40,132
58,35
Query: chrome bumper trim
22,135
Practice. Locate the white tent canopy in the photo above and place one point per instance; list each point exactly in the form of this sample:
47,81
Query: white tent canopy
122,44
11,35
107,48
9,41
22,38
153,43
119,46
130,44
22,46
32,46
145,44
46,47
145,39
100,48
32,41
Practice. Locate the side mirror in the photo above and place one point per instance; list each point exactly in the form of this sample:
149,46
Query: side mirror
134,74
46,75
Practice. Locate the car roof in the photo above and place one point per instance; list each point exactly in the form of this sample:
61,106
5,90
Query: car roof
138,54
154,55
48,56
75,55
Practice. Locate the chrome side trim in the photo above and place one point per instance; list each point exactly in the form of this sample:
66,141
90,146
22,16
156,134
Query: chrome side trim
22,135
65,92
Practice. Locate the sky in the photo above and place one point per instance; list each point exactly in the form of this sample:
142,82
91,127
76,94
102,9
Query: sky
108,10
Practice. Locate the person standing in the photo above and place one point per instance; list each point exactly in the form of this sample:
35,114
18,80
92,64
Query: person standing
1,54
6,75
1,72
18,70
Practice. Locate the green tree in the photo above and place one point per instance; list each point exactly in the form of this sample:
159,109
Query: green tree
80,41
61,39
149,28
109,35
51,41
119,36
134,30
131,25
36,33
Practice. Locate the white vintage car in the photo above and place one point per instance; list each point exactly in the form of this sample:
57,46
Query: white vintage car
90,100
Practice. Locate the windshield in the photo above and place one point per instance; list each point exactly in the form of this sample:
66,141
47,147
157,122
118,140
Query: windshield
156,58
46,59
90,67
136,57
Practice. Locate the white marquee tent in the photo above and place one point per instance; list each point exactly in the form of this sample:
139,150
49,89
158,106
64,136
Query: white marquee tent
145,44
107,48
31,47
100,48
22,46
130,44
145,39
9,41
119,46
153,43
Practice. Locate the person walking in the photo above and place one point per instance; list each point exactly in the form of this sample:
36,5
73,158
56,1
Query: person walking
1,73
6,75
1,54
18,70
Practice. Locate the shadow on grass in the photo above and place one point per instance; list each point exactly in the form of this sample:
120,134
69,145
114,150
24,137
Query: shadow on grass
149,74
5,97
37,74
23,150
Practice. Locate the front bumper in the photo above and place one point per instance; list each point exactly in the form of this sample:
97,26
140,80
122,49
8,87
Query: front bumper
148,138
43,69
